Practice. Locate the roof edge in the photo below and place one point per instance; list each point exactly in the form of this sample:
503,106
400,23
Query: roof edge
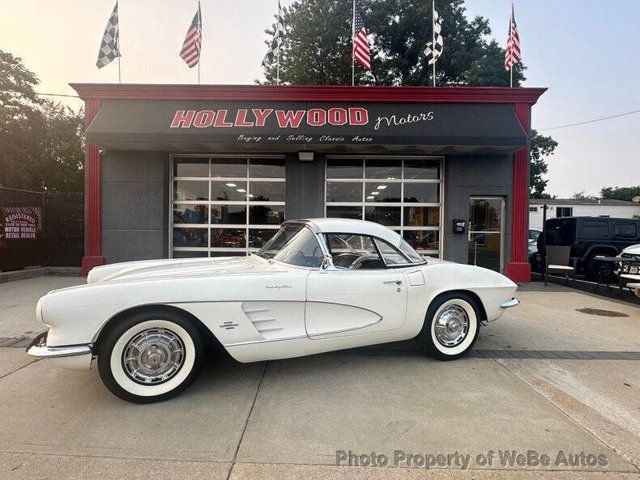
324,93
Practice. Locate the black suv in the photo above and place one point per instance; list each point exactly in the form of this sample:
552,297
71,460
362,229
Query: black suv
591,236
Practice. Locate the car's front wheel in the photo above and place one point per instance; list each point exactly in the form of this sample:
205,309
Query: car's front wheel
150,356
451,326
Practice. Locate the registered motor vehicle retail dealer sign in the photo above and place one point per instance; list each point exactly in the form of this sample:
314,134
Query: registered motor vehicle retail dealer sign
20,222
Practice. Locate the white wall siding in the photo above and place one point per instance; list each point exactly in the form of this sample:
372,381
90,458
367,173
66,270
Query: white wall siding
535,218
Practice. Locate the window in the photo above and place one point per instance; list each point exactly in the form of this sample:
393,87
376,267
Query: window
533,209
355,252
390,255
594,229
225,205
411,254
363,252
302,250
625,229
279,240
564,212
402,194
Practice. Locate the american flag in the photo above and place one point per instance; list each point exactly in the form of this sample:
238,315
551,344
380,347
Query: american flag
190,52
512,54
360,42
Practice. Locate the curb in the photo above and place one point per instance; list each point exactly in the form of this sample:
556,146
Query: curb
39,272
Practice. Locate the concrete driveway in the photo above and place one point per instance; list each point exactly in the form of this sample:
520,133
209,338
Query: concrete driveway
544,380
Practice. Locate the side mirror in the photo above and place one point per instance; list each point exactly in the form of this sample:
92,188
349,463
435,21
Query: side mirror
327,262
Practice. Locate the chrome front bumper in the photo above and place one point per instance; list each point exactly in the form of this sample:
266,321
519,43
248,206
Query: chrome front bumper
72,356
510,303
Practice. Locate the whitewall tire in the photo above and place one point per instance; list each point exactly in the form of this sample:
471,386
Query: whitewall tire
451,326
150,356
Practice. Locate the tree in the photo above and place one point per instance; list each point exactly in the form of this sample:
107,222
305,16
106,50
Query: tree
317,44
541,147
620,193
40,141
583,196
316,50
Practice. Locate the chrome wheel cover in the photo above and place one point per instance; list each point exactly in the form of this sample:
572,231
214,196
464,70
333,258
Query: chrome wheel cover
153,356
451,326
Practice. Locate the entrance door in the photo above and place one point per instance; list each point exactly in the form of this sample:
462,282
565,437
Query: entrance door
486,216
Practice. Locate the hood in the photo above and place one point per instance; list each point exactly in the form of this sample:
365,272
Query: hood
436,261
178,268
632,250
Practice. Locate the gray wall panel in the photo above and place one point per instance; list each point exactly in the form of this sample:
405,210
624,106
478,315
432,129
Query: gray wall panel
133,166
305,188
126,245
471,176
134,205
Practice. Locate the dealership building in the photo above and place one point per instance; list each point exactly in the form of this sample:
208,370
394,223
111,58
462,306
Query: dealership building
175,171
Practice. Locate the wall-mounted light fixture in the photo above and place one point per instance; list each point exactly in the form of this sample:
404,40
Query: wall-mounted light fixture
305,156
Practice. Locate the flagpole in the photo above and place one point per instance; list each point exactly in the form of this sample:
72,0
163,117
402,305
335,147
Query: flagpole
200,53
353,38
433,38
119,74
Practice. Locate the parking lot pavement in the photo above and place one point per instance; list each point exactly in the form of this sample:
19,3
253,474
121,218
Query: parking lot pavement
18,303
287,419
547,319
382,404
13,359
50,411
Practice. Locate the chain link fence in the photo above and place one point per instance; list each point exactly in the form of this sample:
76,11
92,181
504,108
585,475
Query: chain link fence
40,229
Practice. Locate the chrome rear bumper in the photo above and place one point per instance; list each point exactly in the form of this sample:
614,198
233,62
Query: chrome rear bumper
510,303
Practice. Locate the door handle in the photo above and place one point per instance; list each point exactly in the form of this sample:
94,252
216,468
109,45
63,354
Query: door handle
397,282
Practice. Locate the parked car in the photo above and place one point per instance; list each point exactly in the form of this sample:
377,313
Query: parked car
316,286
533,235
590,237
532,249
632,252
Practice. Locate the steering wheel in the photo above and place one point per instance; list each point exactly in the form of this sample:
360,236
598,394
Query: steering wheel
360,260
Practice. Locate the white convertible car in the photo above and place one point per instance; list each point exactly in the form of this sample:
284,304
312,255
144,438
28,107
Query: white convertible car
318,285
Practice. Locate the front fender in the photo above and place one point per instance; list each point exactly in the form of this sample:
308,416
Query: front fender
491,288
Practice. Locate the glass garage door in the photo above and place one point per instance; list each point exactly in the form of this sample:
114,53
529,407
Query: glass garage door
403,194
225,206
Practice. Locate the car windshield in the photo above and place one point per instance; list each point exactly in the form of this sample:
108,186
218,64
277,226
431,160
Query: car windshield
295,245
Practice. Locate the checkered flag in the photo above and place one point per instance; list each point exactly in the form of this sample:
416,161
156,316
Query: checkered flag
272,58
110,46
434,53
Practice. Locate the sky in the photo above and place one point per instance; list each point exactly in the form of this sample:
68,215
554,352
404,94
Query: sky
585,51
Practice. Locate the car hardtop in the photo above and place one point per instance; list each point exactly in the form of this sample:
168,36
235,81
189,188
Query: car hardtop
350,226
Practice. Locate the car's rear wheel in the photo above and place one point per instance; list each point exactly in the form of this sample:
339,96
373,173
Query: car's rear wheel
598,270
451,326
150,356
